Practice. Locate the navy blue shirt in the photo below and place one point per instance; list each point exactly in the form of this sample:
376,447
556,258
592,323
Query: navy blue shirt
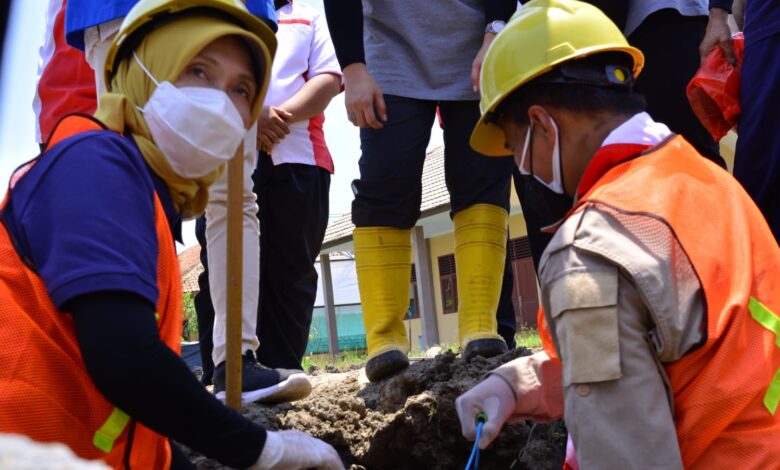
83,14
84,217
762,18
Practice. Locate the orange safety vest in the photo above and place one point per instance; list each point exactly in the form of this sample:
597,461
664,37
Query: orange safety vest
46,392
726,392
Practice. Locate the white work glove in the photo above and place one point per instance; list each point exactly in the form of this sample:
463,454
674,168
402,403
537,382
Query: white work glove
22,453
494,397
294,450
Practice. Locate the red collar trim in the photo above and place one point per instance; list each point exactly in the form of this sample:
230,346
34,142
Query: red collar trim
605,159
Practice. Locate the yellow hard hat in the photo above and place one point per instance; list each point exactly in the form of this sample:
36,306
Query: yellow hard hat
149,11
541,35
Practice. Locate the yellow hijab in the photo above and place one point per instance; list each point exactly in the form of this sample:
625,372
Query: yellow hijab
166,51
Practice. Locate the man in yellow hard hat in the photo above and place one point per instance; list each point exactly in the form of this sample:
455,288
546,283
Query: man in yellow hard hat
660,286
668,34
90,289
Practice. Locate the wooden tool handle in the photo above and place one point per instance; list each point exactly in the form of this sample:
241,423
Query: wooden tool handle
235,274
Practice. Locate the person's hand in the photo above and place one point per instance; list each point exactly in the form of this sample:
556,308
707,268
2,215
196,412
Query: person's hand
492,396
476,66
718,34
265,145
294,450
363,98
272,127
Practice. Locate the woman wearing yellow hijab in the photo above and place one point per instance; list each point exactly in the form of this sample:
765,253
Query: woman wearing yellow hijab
166,55
90,293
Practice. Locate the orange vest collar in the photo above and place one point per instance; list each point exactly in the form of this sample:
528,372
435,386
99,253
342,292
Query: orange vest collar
71,125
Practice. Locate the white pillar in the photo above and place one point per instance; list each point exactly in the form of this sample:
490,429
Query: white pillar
424,275
330,306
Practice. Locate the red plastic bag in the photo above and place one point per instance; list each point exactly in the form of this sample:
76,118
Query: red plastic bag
714,90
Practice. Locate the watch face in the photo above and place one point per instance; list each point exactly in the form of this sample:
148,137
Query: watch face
495,27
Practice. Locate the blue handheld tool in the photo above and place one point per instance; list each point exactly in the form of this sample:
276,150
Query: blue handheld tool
480,419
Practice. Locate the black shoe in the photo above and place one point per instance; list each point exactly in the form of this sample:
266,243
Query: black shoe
484,347
385,365
207,378
262,384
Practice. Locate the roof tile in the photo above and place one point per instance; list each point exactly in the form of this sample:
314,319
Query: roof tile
435,195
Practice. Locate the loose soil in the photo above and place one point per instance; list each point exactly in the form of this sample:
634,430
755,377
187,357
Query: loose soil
408,421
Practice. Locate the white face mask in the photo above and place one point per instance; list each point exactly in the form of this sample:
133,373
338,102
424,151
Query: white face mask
557,183
196,128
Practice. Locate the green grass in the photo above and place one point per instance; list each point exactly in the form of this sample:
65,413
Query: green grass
344,360
190,327
528,337
525,337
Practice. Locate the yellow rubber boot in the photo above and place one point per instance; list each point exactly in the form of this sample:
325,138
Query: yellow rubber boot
383,259
480,253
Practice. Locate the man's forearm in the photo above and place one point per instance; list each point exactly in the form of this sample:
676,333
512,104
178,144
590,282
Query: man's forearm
345,22
313,97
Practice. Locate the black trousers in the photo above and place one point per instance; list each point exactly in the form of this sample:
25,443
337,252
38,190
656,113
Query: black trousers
505,314
535,220
389,191
204,308
293,201
670,43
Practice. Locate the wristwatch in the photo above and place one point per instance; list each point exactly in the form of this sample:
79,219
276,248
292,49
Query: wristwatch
495,26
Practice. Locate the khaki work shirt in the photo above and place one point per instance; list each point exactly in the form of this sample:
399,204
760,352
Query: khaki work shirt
620,303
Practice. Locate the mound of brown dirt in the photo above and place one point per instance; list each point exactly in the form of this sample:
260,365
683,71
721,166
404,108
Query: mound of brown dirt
409,421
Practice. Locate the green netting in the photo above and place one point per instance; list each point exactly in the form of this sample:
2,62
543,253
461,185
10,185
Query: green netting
349,323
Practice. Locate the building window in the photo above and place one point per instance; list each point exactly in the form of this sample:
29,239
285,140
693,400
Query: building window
519,248
414,305
448,282
525,299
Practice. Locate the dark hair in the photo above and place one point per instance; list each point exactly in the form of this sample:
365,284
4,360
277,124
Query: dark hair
575,95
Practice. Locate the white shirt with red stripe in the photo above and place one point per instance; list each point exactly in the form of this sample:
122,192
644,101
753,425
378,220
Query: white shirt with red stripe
66,83
305,50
